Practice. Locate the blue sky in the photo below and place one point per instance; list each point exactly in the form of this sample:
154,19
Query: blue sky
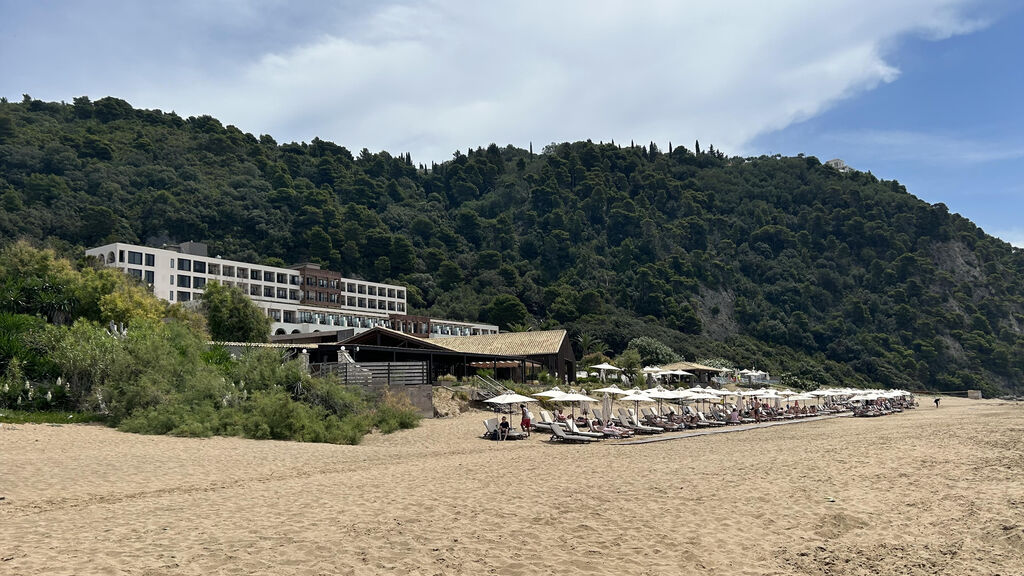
928,92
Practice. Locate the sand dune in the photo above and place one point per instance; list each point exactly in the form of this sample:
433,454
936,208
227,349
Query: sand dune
925,492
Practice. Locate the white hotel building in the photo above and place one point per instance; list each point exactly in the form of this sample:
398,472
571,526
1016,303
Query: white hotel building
299,299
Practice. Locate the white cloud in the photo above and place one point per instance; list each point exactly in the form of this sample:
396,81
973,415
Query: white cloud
927,148
430,77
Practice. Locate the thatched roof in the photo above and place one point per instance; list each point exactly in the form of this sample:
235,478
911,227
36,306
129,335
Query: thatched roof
690,367
507,343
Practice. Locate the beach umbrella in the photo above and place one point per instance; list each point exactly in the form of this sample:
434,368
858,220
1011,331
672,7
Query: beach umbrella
509,398
573,397
556,391
606,366
613,389
702,396
606,407
636,398
661,394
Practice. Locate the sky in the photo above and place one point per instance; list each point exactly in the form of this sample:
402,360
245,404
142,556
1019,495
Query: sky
928,92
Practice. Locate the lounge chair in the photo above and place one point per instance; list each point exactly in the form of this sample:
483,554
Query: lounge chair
492,431
626,421
545,423
702,418
653,419
558,434
572,428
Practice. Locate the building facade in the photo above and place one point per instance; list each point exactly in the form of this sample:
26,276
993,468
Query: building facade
299,299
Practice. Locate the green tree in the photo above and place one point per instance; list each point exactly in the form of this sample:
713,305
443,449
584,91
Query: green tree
506,310
232,316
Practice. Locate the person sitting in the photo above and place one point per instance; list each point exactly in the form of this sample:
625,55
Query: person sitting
559,416
503,428
734,416
612,431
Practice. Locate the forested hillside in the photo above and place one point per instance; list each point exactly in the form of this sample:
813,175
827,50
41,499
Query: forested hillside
782,263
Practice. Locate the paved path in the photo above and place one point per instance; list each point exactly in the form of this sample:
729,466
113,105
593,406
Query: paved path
725,429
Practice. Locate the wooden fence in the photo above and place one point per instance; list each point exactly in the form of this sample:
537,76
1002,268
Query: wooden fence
376,373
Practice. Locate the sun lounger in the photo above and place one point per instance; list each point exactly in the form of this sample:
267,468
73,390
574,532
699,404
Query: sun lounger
571,428
546,422
627,421
557,433
492,431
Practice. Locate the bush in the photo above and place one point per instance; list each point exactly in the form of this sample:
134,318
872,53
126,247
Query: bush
395,413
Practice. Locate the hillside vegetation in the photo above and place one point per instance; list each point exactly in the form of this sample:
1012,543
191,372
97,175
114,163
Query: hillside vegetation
782,263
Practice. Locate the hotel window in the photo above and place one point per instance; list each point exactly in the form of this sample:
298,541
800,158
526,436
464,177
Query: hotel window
254,289
351,287
293,294
150,260
289,316
391,306
135,272
254,274
184,296
276,315
401,294
184,264
295,281
215,269
282,293
334,298
198,283
120,255
351,301
229,271
268,291
391,292
184,281
310,280
372,303
150,278
401,307
171,296
268,276
134,257
172,262
371,290
362,303
361,288
282,278
199,267
380,305
321,282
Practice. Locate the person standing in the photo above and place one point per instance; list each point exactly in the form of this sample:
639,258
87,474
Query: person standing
937,401
527,418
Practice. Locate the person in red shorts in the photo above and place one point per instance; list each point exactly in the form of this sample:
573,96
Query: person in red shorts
527,417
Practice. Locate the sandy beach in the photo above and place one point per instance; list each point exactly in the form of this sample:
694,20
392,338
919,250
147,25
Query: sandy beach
929,491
